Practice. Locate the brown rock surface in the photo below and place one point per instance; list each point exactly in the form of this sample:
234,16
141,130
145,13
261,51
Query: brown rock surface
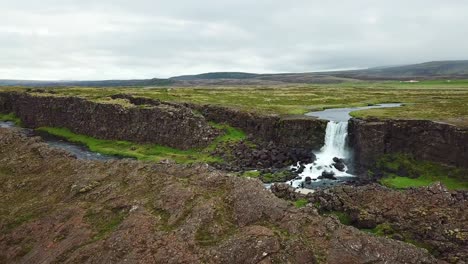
57,209
432,217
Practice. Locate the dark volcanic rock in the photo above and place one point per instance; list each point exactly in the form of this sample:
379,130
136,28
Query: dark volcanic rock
57,209
328,175
432,217
339,164
426,140
170,125
244,155
299,132
285,191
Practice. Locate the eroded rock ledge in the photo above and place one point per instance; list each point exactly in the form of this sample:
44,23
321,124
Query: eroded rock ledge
425,140
57,209
292,131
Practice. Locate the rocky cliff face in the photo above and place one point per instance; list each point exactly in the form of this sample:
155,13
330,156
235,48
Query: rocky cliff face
294,132
425,140
57,209
165,124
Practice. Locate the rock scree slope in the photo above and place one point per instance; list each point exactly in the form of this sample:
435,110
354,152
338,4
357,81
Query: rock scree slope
58,209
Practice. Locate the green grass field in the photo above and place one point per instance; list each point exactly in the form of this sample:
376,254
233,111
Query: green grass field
433,100
149,152
403,171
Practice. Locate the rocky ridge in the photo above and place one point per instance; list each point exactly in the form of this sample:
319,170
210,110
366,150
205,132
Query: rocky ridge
57,209
425,140
431,217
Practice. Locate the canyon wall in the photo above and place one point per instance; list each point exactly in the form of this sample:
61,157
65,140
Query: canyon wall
292,132
425,140
165,124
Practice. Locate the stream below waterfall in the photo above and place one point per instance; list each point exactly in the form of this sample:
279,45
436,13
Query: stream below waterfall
79,151
333,161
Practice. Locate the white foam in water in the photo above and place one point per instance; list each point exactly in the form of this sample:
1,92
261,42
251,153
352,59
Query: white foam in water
335,146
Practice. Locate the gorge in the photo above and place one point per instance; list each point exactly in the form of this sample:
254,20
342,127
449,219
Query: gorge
210,213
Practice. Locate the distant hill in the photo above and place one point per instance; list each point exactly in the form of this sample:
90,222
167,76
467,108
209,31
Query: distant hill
428,70
422,71
105,83
215,75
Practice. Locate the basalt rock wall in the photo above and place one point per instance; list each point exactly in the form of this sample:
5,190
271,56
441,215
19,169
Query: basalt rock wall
425,140
292,132
169,125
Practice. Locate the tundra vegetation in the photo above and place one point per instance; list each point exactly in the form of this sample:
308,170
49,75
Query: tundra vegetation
432,100
402,171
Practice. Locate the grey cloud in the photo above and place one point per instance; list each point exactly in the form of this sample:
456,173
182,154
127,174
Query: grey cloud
72,39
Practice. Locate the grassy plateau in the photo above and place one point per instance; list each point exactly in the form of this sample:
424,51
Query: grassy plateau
433,100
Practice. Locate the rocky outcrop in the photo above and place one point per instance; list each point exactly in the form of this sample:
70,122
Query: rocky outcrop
57,209
292,131
165,124
425,140
431,217
244,155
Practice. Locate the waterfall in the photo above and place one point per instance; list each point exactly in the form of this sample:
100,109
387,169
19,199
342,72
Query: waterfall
335,147
335,141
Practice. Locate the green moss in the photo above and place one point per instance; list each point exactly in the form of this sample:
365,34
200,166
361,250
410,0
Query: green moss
344,218
269,177
219,229
383,229
149,152
403,171
21,219
386,230
10,117
104,221
231,134
251,174
301,203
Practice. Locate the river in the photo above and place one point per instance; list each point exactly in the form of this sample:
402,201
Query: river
79,151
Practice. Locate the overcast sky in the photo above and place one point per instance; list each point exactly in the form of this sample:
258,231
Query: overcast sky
106,39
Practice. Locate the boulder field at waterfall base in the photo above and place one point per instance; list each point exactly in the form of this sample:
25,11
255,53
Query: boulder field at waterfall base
350,172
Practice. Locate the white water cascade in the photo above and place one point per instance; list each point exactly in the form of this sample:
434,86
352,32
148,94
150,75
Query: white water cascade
335,146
